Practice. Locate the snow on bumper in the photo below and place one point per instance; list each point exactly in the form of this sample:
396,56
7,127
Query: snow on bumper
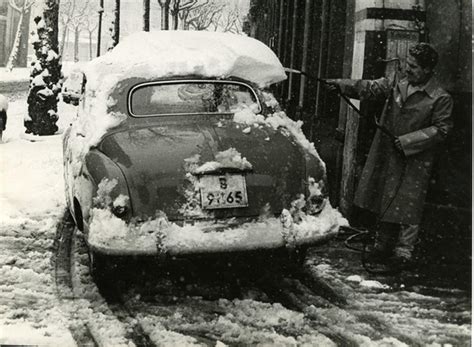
111,235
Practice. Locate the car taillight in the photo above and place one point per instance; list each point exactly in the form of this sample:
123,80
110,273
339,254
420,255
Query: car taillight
120,206
120,211
315,204
316,199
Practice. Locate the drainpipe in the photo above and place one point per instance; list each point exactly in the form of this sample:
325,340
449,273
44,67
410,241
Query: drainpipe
322,48
293,47
280,28
304,62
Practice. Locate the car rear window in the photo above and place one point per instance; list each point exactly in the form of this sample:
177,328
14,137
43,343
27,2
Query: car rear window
191,97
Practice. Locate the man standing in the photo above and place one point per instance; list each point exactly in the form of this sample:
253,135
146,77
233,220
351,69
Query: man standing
395,178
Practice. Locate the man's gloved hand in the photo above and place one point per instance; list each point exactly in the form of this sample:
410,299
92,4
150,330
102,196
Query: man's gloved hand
331,85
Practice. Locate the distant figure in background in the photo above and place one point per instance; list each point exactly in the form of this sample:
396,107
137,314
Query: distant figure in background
3,114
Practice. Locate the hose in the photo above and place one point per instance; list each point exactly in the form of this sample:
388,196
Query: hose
352,235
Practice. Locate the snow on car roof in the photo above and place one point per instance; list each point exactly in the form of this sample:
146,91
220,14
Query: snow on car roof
177,53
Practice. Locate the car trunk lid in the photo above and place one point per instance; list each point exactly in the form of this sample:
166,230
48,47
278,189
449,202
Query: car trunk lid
160,163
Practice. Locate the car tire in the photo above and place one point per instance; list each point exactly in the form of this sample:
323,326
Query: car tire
297,256
103,271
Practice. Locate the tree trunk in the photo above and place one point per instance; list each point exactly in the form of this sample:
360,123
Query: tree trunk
76,43
45,88
175,21
99,29
165,16
90,45
146,15
63,39
184,19
16,43
116,34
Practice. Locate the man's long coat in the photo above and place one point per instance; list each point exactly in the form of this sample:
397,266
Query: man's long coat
393,185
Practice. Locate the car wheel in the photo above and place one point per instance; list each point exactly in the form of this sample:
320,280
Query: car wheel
297,256
103,271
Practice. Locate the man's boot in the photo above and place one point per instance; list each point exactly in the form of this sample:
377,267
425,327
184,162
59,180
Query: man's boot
403,253
385,239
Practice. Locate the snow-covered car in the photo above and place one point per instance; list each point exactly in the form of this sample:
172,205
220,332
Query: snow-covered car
177,149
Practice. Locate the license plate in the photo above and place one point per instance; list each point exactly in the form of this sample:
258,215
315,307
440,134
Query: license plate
223,191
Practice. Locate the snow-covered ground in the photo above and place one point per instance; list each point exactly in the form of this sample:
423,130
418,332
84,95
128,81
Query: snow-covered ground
31,311
32,203
17,74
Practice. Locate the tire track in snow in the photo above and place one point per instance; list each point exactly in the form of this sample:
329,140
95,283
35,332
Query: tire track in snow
173,309
28,302
62,266
91,322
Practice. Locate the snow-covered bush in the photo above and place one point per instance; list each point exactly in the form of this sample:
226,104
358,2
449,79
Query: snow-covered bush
45,75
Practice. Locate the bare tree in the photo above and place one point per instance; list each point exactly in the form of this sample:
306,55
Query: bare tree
146,15
178,6
183,14
66,13
77,21
230,21
165,14
90,25
203,16
22,9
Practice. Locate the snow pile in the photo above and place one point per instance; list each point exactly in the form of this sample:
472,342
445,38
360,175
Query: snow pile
278,121
110,232
159,234
355,278
228,159
315,188
179,53
369,284
192,207
373,284
93,121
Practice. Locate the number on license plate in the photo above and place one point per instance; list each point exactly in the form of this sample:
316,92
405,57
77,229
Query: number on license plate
224,191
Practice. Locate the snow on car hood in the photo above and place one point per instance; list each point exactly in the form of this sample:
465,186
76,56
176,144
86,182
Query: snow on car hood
180,53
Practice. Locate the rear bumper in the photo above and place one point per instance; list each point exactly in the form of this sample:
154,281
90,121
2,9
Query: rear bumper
160,237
